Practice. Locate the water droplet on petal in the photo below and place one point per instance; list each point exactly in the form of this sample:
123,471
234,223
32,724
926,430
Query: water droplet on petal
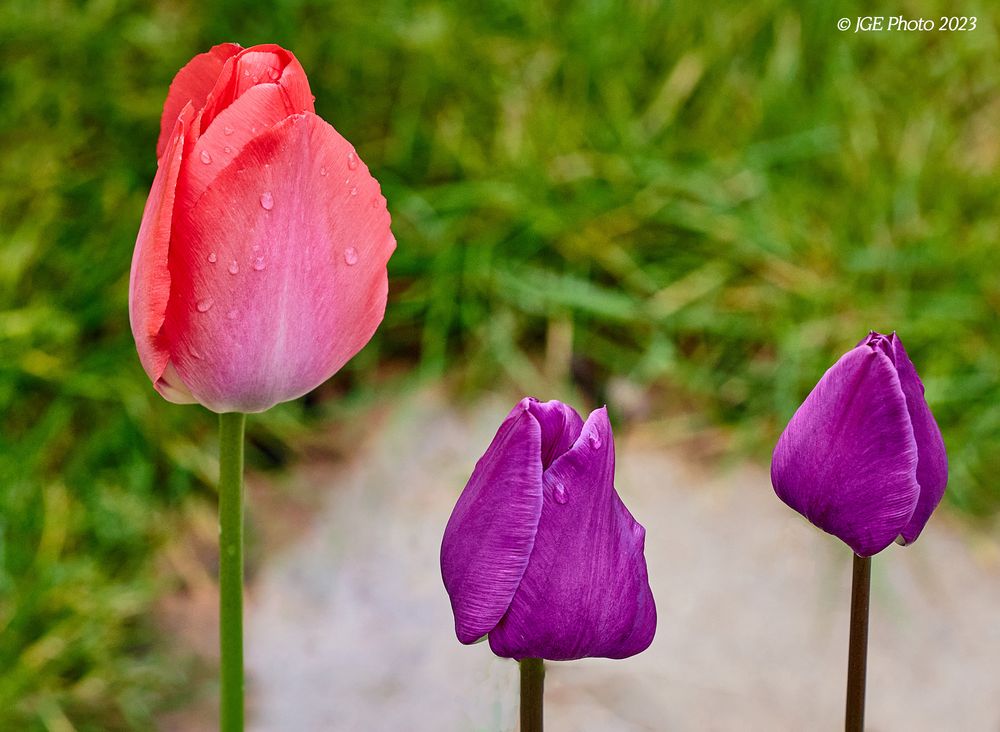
233,267
205,157
227,149
212,258
560,494
266,201
227,130
193,351
205,305
352,160
354,191
351,256
322,171
246,72
258,264
273,73
595,440
253,130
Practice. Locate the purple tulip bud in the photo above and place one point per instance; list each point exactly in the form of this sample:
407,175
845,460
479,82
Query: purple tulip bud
863,458
540,553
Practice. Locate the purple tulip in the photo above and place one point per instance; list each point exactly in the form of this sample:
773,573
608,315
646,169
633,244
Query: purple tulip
540,553
863,458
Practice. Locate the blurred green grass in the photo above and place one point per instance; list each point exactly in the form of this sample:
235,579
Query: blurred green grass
709,204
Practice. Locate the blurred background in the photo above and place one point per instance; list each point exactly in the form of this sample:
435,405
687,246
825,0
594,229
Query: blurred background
685,213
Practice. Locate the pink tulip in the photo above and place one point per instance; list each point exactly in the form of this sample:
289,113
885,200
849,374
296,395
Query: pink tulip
260,265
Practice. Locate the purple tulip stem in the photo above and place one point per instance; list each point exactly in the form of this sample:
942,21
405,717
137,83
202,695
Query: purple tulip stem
532,688
857,655
231,427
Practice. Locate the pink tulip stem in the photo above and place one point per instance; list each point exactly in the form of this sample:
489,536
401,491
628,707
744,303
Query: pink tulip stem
231,426
857,656
532,688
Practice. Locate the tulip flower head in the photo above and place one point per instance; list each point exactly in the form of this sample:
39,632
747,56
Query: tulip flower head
260,265
863,458
540,553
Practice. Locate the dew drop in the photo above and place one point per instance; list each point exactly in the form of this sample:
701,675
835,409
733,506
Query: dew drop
273,73
253,130
258,264
227,149
595,440
212,258
375,202
246,72
322,171
204,305
354,191
266,201
560,494
351,256
193,351
352,160
205,157
227,130
233,267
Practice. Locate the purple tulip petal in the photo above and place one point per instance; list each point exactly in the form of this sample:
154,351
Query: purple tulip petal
585,591
491,531
847,459
932,460
560,424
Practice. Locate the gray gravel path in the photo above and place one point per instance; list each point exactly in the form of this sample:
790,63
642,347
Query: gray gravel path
349,627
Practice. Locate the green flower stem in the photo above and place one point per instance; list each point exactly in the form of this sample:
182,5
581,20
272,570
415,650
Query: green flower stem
231,428
857,656
532,687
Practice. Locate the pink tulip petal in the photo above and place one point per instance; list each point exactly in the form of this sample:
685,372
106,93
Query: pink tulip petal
257,89
259,65
282,276
172,388
149,282
585,591
258,109
192,84
491,531
560,425
932,459
847,459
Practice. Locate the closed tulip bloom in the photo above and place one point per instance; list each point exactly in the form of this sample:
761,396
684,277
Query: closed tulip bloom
260,265
540,553
863,458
